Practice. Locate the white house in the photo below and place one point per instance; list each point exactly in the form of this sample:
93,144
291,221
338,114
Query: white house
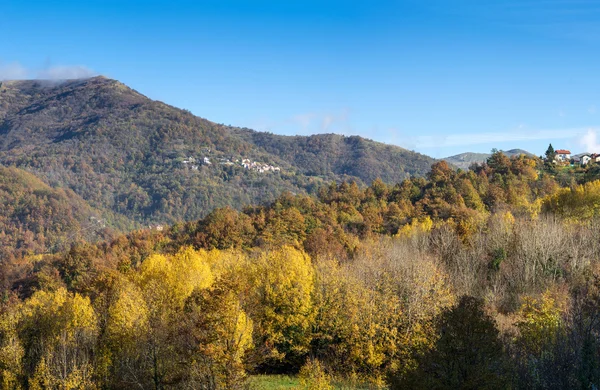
582,158
585,159
562,155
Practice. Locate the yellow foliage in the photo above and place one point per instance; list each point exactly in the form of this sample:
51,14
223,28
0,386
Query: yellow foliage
223,262
283,281
11,349
580,203
76,379
313,376
127,315
61,312
168,280
507,218
540,321
66,325
222,333
376,312
416,227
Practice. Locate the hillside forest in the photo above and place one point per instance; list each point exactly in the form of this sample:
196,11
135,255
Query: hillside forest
481,279
139,162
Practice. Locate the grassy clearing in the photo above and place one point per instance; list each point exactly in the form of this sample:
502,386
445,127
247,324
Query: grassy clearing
284,382
272,382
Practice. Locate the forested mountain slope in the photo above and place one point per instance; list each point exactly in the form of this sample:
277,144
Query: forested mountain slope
36,218
323,154
154,163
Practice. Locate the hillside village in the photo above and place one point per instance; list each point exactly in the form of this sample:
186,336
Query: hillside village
246,163
564,156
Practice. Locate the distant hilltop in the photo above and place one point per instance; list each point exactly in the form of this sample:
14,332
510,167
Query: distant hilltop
465,160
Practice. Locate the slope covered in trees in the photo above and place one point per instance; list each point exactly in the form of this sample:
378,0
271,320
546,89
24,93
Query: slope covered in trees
143,159
351,157
479,279
35,218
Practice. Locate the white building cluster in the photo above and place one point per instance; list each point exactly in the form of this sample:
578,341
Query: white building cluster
245,163
259,167
565,156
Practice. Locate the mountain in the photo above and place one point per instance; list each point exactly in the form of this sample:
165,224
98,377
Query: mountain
152,163
354,156
464,160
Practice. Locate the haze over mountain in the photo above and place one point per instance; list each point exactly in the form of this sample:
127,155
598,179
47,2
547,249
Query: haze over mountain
153,163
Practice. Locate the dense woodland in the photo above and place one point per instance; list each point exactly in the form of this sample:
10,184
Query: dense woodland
486,278
36,218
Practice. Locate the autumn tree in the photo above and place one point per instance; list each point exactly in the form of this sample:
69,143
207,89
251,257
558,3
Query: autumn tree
11,348
59,332
280,304
217,334
467,355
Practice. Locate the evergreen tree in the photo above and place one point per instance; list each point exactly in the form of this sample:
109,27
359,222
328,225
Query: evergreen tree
550,153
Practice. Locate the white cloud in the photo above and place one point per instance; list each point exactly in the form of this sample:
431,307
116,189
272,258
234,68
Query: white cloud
327,121
16,71
65,73
12,71
303,120
331,119
496,137
589,141
309,123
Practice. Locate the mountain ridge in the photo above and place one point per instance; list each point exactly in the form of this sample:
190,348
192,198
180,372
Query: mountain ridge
464,160
144,159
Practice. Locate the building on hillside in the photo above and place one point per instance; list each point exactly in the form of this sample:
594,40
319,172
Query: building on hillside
562,155
581,159
586,158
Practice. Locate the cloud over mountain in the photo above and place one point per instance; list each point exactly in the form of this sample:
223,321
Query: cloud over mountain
16,71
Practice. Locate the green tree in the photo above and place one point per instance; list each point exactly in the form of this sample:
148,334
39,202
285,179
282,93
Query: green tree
550,153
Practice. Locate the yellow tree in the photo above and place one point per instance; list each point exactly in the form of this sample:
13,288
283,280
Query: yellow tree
281,303
580,203
59,331
165,283
539,322
375,313
121,359
217,334
11,349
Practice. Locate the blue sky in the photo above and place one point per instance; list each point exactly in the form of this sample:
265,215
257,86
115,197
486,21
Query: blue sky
440,77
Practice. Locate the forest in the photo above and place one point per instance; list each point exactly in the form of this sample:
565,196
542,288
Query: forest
487,278
124,154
